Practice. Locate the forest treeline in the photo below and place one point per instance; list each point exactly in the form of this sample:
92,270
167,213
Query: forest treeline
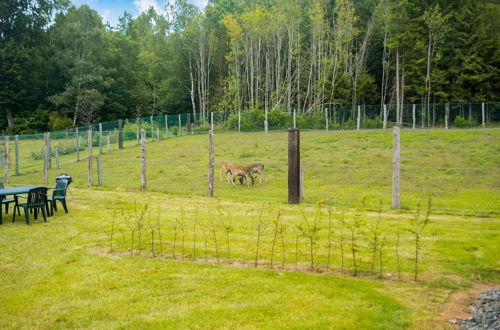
61,66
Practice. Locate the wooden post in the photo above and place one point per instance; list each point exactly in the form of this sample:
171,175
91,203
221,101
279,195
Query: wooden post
188,123
326,120
99,170
89,148
100,138
50,149
45,159
446,115
396,168
483,115
294,166
239,120
179,133
266,123
414,116
77,145
166,126
120,134
152,128
301,183
57,158
143,160
358,121
385,117
17,154
212,120
108,140
294,119
158,133
137,125
6,162
211,164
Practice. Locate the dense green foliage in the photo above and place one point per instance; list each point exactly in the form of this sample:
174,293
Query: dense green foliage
61,66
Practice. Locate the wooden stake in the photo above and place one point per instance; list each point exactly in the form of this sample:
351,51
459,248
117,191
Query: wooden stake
294,166
120,134
17,154
396,169
89,149
143,160
211,164
99,170
45,159
358,122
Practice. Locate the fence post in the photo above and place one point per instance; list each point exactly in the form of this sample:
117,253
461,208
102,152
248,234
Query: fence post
188,123
327,128
483,115
166,126
45,159
152,129
89,148
6,162
239,120
99,170
100,138
57,158
358,123
294,166
158,133
266,123
396,168
294,118
212,120
77,145
50,149
211,164
414,116
17,154
179,133
446,115
120,134
143,160
108,140
137,124
385,116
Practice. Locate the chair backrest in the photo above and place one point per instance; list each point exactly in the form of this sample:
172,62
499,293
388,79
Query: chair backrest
37,197
60,189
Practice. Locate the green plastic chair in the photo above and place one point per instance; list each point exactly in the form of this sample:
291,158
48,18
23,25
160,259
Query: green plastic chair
58,194
37,201
7,201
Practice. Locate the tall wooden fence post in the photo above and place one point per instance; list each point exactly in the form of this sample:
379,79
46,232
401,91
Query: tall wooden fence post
414,116
120,134
89,148
396,169
100,138
57,158
50,149
17,154
99,170
294,166
483,115
385,117
446,115
211,164
358,120
143,160
77,145
6,162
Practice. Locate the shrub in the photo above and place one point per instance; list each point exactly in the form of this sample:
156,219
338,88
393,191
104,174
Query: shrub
460,122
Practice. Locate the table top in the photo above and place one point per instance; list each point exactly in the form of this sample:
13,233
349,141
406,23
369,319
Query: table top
17,190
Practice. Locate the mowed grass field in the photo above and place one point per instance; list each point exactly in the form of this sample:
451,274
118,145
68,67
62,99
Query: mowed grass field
243,259
63,273
458,168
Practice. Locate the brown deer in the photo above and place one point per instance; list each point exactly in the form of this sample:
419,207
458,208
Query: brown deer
236,171
256,168
224,167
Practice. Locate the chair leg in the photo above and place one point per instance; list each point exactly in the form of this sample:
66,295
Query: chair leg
14,213
35,213
55,204
26,215
7,208
44,214
63,202
51,208
47,208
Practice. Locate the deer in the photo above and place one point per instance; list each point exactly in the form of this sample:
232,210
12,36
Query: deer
235,171
256,168
225,166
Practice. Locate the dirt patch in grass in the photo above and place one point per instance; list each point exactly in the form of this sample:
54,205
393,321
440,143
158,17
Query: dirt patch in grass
457,306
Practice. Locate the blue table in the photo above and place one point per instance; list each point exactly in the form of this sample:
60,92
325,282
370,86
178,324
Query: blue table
14,191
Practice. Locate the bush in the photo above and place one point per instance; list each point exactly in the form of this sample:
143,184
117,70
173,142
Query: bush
460,122
373,123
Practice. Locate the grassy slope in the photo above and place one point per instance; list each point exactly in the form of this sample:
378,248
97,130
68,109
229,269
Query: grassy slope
344,167
59,274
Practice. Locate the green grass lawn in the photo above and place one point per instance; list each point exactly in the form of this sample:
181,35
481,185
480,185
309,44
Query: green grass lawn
459,168
63,274
245,258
